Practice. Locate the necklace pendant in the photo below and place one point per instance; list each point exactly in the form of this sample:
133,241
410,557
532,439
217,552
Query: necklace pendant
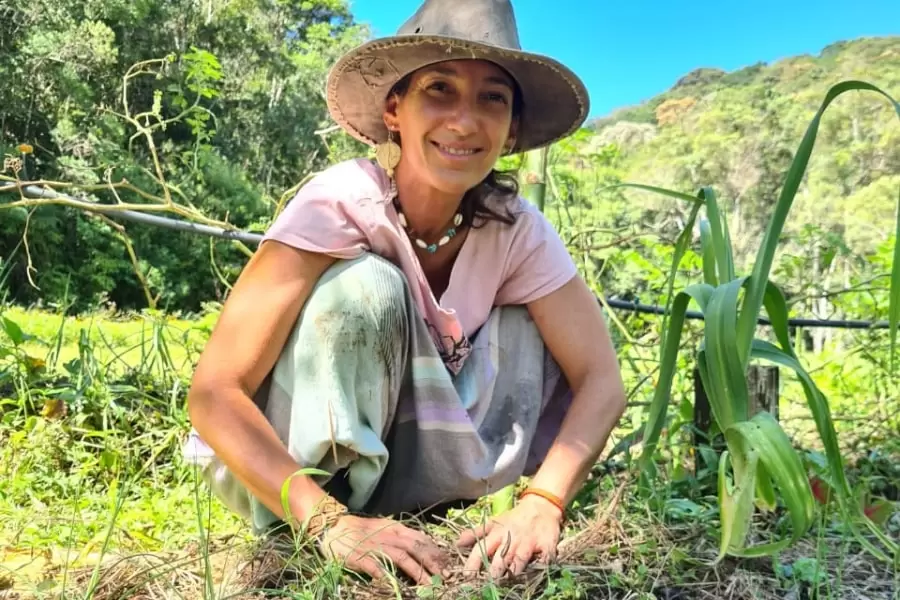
433,247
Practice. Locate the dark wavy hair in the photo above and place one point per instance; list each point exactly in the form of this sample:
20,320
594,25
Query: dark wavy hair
497,188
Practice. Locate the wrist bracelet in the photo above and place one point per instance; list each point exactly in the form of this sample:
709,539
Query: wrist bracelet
326,514
552,498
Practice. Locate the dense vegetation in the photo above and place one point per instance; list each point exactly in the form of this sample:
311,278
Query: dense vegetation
153,102
738,133
256,137
254,72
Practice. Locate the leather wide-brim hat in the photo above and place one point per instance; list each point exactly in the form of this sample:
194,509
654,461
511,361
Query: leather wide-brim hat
555,101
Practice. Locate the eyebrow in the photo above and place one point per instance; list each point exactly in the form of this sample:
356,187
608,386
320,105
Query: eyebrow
490,79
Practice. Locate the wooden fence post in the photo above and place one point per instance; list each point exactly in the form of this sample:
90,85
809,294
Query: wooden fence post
762,385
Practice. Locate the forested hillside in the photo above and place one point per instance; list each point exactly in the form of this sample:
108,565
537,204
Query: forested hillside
237,119
233,95
738,132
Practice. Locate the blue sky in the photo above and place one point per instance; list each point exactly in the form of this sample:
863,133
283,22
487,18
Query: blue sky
630,50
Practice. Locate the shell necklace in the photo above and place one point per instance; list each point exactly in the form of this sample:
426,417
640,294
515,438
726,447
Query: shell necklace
430,248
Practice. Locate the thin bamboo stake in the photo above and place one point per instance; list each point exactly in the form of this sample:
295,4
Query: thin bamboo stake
534,177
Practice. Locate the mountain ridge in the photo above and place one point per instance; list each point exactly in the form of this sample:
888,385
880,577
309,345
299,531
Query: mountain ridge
737,133
702,80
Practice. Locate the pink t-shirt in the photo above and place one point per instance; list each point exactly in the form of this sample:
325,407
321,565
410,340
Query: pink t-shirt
347,210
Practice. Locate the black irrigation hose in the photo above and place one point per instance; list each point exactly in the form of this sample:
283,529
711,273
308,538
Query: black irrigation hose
255,238
838,324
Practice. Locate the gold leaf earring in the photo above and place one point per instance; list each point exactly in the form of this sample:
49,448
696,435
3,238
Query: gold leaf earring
387,154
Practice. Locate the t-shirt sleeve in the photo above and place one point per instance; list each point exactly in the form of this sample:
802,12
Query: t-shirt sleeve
538,262
323,217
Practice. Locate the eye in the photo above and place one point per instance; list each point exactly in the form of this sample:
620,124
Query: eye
438,86
497,97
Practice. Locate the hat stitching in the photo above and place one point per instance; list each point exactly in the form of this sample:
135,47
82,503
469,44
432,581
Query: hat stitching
350,61
466,46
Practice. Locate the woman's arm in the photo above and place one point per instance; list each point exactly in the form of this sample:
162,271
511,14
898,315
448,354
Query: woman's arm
574,330
572,326
255,323
256,320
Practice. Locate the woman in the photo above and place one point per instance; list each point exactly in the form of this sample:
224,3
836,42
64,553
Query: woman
410,325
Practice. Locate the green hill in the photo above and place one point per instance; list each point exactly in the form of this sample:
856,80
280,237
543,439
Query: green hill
862,58
738,133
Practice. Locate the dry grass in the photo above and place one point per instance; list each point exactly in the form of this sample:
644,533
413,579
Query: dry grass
623,553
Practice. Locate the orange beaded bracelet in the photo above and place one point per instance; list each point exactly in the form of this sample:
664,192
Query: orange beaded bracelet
552,498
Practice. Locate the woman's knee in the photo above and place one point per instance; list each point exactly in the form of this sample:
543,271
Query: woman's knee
357,298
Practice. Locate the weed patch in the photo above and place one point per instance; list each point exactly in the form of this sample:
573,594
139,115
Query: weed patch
96,503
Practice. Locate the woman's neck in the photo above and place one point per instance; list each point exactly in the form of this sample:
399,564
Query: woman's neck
428,211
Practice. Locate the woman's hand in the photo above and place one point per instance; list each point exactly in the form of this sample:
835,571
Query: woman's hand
510,541
363,543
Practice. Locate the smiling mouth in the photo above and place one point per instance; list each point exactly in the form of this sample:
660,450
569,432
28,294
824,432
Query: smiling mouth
461,152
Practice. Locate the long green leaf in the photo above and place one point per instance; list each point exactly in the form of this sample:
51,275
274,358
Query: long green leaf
668,363
736,506
729,255
765,492
728,395
768,451
762,349
707,253
776,309
765,435
681,246
654,189
766,254
894,302
721,246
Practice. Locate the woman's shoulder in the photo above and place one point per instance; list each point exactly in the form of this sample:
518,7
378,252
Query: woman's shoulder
526,213
535,258
528,222
331,213
351,180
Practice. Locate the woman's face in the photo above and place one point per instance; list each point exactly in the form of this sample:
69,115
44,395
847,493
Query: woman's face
453,121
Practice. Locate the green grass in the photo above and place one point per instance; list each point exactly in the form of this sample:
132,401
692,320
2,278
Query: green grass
119,342
95,501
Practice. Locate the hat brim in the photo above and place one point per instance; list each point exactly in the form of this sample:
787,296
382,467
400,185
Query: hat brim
555,100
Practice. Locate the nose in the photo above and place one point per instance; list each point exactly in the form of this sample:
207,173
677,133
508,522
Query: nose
463,119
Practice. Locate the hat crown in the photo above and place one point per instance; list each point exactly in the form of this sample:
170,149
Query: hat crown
484,21
555,100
